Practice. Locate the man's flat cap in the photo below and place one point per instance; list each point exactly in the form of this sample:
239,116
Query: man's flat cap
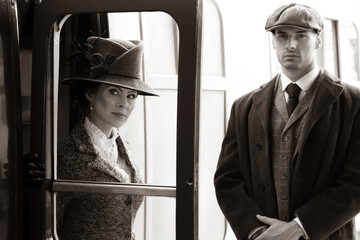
295,15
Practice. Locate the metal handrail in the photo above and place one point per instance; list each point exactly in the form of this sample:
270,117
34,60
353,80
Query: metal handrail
113,188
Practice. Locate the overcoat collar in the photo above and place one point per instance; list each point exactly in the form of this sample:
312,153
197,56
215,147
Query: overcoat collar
327,91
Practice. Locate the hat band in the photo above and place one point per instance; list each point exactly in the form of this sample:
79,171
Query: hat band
124,73
102,68
99,73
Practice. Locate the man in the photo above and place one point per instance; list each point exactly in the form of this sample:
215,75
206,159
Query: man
289,167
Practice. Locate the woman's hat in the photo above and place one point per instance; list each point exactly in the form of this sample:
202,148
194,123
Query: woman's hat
114,62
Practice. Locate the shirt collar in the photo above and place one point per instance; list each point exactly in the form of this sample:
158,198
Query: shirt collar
304,82
98,137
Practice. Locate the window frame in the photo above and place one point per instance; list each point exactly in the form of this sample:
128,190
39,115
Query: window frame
187,14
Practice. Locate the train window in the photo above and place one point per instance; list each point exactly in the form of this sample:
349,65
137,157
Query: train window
327,55
167,154
213,64
340,51
349,51
151,126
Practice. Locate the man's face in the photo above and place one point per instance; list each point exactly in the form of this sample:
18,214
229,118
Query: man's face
296,48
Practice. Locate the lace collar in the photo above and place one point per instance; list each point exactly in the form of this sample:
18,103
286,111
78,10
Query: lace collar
106,147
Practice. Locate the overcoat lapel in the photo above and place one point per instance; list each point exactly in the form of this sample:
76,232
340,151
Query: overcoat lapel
326,93
262,104
124,152
113,170
83,144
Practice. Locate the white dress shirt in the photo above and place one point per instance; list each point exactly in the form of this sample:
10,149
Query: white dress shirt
305,82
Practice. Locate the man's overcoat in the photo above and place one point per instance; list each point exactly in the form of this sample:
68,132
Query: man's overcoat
325,168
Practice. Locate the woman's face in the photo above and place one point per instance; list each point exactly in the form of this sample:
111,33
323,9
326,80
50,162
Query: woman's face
112,106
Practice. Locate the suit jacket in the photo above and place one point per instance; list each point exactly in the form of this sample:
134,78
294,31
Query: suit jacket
325,185
92,215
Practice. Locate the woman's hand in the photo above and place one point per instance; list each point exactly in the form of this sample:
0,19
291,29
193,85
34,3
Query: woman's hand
34,169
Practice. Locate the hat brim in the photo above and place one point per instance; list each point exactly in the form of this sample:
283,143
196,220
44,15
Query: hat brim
289,25
116,80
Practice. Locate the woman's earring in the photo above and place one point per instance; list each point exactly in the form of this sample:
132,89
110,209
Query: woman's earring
91,107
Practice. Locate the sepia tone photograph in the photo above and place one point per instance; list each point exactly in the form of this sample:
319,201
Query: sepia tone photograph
179,120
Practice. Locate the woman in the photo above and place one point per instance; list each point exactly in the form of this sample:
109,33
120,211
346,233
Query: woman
94,151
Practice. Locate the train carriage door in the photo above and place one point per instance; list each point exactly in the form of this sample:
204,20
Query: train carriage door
165,131
10,125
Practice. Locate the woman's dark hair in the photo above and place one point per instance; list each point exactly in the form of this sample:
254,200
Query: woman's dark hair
80,105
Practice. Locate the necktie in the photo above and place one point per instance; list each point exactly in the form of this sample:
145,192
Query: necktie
293,90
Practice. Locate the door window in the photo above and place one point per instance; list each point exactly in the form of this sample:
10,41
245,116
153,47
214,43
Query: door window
150,132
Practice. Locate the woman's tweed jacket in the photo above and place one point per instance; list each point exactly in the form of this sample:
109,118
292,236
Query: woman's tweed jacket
92,215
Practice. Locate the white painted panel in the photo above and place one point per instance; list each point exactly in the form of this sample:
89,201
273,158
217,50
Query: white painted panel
212,129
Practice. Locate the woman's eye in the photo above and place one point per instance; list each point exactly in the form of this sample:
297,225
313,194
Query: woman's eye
114,91
132,95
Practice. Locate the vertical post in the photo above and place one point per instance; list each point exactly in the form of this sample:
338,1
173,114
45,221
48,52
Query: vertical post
188,122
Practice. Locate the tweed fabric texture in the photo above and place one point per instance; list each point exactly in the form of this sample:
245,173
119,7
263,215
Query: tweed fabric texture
285,132
94,215
325,191
295,15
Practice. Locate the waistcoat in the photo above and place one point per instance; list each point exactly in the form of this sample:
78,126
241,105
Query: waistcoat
285,132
